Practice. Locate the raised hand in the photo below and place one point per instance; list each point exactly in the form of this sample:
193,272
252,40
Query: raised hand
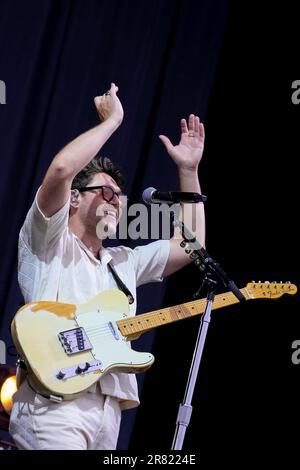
188,153
109,106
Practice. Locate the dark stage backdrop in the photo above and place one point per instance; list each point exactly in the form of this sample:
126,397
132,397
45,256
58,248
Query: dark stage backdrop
246,397
230,64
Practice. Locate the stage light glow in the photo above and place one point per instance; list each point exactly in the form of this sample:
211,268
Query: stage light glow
8,388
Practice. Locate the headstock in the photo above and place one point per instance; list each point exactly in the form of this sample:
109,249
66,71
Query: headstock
273,290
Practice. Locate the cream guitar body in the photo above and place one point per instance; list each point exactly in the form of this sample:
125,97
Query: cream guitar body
54,366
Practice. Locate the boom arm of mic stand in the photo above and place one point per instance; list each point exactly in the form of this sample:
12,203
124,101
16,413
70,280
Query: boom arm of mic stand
207,260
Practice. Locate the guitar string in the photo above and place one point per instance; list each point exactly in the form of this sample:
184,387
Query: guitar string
154,316
150,319
94,331
105,330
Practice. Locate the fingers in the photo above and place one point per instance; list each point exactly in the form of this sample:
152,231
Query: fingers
196,124
191,123
183,126
192,126
201,130
195,127
112,91
113,88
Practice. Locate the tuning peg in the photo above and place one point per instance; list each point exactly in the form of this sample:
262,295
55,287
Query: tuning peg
267,282
182,244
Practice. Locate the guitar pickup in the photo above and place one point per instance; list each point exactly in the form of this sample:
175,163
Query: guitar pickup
74,341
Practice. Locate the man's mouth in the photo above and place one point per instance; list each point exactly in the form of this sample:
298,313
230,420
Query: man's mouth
111,213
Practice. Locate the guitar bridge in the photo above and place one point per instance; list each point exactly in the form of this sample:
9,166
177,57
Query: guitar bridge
74,341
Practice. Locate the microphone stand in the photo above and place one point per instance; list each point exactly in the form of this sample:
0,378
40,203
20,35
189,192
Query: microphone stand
212,274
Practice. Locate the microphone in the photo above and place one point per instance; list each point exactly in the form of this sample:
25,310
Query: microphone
152,196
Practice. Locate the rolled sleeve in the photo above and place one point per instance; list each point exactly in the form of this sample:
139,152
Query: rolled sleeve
39,231
150,261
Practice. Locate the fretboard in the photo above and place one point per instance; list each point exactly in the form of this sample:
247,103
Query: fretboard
135,326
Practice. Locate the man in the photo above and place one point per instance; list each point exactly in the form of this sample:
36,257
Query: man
62,258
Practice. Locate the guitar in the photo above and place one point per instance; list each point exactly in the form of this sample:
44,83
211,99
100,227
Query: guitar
68,347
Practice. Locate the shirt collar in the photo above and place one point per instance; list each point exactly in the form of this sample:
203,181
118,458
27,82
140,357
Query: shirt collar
104,255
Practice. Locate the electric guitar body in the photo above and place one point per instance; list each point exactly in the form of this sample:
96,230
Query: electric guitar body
68,347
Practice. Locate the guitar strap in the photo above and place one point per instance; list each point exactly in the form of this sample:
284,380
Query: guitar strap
121,284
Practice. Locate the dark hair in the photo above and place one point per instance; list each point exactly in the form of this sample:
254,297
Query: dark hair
98,165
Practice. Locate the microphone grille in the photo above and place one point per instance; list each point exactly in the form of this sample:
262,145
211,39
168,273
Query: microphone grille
147,195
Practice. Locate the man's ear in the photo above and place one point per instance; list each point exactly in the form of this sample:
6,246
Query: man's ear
74,197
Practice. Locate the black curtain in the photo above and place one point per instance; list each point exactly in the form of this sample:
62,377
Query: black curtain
245,401
230,63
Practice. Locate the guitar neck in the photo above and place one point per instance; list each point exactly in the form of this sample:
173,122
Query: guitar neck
135,326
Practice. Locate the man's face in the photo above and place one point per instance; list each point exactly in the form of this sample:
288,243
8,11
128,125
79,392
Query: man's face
97,214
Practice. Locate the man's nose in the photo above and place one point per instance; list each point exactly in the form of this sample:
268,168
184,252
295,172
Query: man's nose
116,197
121,200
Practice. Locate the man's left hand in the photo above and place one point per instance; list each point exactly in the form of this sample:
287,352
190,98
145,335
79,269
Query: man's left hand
188,153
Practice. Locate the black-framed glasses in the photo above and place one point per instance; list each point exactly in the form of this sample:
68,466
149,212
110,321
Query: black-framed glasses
108,192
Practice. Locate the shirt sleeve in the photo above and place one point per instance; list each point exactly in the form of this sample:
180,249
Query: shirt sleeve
150,261
39,231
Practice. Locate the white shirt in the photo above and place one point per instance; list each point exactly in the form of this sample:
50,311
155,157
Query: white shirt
55,265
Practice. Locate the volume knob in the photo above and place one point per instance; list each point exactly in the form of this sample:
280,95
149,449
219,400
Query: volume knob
79,369
60,375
